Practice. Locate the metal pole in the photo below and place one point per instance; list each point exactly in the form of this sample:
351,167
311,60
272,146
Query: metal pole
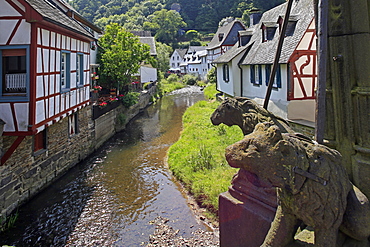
278,52
322,60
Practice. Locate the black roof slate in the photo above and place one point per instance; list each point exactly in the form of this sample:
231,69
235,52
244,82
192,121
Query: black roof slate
264,52
51,13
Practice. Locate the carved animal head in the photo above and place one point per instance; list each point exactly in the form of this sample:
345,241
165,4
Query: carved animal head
227,113
273,156
240,111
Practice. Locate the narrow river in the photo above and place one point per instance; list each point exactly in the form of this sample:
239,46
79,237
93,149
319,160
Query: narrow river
109,199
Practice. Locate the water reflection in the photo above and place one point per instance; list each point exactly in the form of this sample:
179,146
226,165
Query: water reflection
109,199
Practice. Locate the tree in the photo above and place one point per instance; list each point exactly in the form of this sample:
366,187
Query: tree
163,54
165,24
121,55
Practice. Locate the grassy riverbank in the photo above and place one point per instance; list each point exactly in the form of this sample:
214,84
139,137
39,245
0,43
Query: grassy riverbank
197,159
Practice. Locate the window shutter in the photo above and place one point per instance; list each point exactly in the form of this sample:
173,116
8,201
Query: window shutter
260,74
252,70
268,72
278,77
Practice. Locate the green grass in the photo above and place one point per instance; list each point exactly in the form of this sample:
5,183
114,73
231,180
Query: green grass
168,85
197,159
210,91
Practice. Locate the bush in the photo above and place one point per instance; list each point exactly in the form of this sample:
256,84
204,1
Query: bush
189,79
130,99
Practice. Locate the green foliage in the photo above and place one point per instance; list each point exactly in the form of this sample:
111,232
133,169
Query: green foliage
210,92
8,223
189,79
198,157
163,55
168,85
202,160
121,119
165,24
211,75
121,55
192,34
201,15
130,99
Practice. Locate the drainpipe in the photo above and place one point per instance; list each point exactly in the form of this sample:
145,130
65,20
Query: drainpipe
278,53
322,31
241,69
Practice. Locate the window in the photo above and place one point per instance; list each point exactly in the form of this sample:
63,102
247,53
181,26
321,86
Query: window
225,72
290,28
277,80
39,142
268,32
73,124
256,74
14,73
79,69
65,71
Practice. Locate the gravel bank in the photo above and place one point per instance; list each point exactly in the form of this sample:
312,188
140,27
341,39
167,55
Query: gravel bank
165,235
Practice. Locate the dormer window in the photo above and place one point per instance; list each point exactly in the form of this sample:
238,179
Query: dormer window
290,28
220,36
291,25
268,32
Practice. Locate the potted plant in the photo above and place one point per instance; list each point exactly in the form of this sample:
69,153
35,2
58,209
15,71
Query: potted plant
96,89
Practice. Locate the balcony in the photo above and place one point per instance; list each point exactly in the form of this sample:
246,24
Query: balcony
15,85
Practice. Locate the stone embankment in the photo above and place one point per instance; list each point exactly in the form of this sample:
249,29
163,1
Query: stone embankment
27,171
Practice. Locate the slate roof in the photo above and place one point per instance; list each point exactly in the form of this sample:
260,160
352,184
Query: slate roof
264,52
51,13
231,54
151,42
226,30
181,52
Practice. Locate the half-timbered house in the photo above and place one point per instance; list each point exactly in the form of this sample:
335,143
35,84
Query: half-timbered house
225,38
245,69
45,60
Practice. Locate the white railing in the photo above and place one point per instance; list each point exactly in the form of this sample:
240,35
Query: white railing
15,83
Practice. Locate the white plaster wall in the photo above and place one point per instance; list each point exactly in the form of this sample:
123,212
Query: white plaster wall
45,37
225,87
302,109
21,112
6,116
40,111
23,34
251,90
6,27
45,60
39,87
7,10
51,106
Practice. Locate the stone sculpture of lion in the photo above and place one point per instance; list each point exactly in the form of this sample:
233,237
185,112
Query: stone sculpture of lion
313,186
245,113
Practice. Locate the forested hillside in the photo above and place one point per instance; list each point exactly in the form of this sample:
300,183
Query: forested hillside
201,15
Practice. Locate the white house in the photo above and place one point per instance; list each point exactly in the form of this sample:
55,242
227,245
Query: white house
146,72
245,69
194,61
225,38
176,59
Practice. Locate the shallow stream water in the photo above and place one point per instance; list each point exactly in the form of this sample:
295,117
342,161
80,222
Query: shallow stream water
110,199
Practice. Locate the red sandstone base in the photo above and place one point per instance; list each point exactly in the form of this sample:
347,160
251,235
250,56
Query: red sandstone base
246,211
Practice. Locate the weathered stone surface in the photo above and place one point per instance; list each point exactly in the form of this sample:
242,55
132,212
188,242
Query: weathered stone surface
313,186
245,113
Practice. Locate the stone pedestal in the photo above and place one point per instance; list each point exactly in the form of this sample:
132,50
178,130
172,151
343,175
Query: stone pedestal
246,211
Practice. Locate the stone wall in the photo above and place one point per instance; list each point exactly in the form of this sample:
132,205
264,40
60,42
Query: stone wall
25,173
